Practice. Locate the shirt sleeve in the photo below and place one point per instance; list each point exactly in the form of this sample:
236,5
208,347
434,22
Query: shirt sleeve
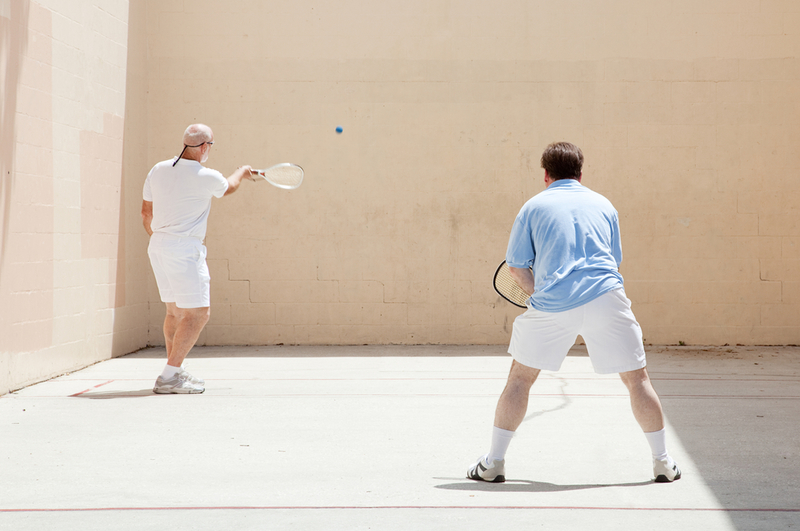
520,252
219,185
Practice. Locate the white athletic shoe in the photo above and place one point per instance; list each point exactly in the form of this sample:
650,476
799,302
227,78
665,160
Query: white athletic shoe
666,471
494,472
194,379
178,384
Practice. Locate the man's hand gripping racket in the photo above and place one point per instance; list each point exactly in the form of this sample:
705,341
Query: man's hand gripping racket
507,287
285,175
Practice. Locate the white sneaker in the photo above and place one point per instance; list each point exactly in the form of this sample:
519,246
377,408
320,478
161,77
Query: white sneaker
178,384
194,379
666,471
494,472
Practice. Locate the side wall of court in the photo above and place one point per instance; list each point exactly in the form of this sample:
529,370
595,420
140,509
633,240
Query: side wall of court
687,112
73,284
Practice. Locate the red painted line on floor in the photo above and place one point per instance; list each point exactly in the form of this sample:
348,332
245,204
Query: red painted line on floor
210,392
95,387
788,379
402,507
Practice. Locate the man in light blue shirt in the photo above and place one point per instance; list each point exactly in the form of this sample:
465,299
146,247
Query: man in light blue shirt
565,250
577,248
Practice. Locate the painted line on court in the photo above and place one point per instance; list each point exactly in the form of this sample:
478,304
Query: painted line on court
210,392
400,507
787,379
87,390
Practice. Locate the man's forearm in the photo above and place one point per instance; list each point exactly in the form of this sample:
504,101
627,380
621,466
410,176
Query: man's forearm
147,216
523,278
236,179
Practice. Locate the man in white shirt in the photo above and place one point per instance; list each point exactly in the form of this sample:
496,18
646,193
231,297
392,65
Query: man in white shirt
176,203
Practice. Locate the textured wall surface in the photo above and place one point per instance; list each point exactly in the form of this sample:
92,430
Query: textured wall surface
687,113
66,297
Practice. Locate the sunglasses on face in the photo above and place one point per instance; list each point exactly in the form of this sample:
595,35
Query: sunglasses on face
184,149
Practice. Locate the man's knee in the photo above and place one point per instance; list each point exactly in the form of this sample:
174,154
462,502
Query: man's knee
203,314
195,316
635,378
522,374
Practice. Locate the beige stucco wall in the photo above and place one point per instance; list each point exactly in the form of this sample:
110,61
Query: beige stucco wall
70,290
686,111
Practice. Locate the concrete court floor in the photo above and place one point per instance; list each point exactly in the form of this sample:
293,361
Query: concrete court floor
350,438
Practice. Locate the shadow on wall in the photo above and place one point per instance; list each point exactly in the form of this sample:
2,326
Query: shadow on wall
13,42
130,324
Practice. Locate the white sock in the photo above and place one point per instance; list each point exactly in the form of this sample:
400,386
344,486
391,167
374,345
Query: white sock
658,443
169,372
500,440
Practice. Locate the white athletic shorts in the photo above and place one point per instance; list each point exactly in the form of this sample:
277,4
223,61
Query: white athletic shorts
180,268
613,338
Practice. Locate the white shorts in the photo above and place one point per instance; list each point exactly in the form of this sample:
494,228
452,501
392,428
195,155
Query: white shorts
613,338
181,272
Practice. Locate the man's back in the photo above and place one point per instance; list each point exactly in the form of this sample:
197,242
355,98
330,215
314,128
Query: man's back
181,197
571,236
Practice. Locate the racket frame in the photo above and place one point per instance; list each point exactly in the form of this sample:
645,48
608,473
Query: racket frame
262,174
499,292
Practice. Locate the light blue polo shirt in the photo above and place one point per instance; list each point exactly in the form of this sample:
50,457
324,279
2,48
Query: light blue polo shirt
571,236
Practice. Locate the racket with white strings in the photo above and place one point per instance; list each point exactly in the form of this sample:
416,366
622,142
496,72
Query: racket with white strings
285,175
506,287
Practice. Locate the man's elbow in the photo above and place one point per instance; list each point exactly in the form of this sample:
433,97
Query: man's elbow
523,278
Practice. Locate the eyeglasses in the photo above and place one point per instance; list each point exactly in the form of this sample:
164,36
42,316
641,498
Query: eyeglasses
184,149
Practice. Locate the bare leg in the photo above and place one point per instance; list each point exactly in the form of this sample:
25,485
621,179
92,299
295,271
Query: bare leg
647,410
513,402
644,400
510,413
170,325
182,327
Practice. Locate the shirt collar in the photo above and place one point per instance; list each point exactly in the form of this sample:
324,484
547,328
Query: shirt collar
564,182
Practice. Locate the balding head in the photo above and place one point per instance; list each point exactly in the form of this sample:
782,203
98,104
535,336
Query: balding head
197,134
197,140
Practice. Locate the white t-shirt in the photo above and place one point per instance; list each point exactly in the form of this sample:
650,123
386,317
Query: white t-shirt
181,197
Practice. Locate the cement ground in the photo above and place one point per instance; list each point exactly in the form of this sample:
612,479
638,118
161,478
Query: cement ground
380,438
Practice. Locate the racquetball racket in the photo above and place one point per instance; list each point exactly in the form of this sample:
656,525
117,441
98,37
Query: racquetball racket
285,175
506,287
